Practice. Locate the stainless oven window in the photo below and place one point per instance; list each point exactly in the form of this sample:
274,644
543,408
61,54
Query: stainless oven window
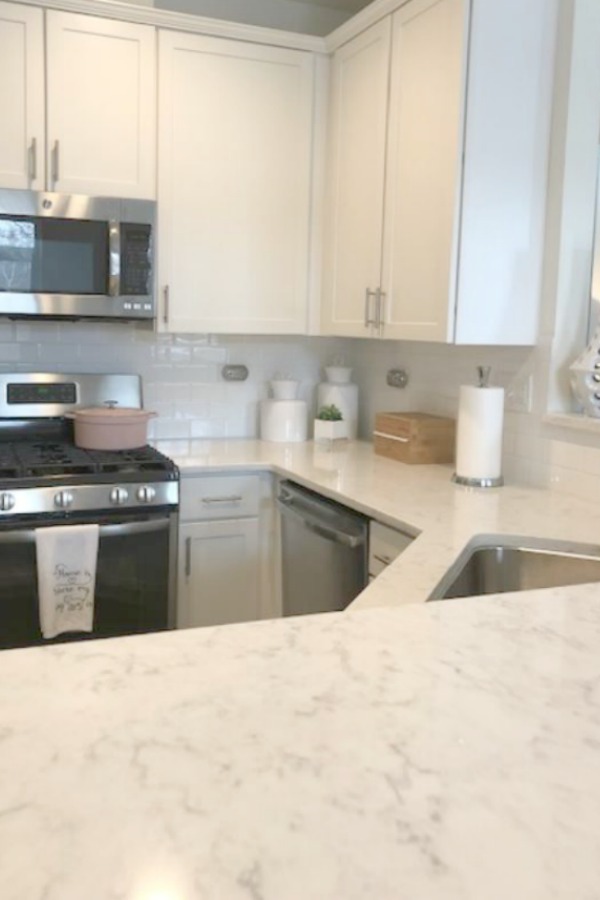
53,256
133,580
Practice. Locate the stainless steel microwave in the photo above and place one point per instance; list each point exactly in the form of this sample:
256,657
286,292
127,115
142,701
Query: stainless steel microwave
72,256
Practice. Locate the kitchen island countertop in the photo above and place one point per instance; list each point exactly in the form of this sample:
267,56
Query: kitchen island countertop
431,751
443,751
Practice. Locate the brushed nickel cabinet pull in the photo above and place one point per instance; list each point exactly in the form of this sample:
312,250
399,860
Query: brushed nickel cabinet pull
33,160
385,560
188,557
234,498
166,304
368,295
55,162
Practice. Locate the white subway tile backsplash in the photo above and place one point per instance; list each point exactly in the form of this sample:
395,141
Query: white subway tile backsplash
183,383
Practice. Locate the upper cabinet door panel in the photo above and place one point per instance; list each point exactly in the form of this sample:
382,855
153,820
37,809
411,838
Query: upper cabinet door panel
423,172
235,151
101,106
22,130
509,108
356,176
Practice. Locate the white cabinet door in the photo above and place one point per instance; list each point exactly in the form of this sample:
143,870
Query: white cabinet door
356,182
22,129
101,114
465,176
235,151
219,572
423,170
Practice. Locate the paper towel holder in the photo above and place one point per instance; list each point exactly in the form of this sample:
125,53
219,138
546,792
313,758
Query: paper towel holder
478,482
483,381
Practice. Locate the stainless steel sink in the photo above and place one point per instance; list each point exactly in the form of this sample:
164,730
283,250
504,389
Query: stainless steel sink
499,563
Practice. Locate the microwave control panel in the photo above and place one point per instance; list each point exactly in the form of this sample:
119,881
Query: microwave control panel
136,260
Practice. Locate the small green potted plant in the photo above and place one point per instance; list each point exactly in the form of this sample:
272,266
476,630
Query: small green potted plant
329,424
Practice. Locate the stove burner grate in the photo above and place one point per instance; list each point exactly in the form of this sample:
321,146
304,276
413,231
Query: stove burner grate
33,459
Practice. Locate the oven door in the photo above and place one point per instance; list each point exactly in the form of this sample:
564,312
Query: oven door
134,579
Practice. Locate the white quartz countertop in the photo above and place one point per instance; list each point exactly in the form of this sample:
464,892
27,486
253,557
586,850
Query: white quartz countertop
445,751
422,499
427,751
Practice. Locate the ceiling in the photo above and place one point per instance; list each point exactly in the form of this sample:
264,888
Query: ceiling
351,6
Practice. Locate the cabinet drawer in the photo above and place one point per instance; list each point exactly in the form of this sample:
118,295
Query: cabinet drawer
219,497
385,544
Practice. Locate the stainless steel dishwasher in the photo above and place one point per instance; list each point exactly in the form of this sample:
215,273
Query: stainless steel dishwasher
324,552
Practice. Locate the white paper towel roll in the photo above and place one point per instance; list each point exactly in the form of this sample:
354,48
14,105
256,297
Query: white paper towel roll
479,434
283,420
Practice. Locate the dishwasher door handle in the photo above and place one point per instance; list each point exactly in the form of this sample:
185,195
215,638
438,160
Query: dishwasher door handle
313,523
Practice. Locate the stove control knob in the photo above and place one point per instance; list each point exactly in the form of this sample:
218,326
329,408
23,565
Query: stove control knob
7,501
64,499
119,496
146,494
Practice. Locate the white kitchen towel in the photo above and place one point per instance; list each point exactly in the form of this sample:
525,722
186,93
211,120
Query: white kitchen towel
66,571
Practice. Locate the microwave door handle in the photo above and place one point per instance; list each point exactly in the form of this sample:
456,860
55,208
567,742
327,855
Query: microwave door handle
114,259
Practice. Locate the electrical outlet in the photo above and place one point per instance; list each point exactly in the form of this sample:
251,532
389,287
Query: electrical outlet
234,372
518,394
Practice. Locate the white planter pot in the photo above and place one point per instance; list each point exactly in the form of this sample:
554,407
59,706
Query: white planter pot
329,431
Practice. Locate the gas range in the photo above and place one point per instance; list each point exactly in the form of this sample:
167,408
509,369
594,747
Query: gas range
42,472
44,477
47,483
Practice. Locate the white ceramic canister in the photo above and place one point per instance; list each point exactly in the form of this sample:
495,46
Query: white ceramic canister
341,392
283,421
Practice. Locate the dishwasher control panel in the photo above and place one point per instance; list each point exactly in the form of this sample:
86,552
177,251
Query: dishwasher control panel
385,544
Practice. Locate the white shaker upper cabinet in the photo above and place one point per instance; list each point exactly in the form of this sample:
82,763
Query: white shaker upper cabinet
22,128
356,174
468,134
101,115
235,154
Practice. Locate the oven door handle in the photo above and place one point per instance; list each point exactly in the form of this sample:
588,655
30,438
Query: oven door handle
122,529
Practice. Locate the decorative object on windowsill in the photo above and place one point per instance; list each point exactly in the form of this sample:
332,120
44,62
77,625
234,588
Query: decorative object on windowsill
479,433
584,374
329,424
339,391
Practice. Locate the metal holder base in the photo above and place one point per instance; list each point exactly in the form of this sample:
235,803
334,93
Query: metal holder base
478,482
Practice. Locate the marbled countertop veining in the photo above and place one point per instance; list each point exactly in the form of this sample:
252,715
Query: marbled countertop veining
443,751
425,751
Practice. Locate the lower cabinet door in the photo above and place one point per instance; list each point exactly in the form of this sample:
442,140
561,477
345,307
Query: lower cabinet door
219,573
